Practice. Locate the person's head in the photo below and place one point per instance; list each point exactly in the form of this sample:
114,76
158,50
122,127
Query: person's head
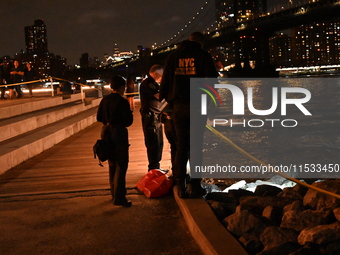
156,72
16,63
118,84
197,37
28,65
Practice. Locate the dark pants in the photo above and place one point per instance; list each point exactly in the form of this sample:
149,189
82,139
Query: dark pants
170,133
153,138
30,88
3,91
18,90
181,118
118,163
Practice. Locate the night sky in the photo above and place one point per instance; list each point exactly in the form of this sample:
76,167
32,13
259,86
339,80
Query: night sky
94,26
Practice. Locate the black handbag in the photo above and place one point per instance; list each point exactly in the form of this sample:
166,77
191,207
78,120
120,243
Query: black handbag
103,150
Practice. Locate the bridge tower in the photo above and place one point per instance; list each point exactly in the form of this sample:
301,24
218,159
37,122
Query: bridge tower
249,47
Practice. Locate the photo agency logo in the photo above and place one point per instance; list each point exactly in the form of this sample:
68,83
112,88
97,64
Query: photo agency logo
209,90
256,127
279,98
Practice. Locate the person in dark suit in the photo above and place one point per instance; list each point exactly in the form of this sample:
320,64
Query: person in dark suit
115,114
150,112
30,75
2,80
16,76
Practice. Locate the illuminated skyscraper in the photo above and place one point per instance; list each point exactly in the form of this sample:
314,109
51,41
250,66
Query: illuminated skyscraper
229,12
281,50
247,47
84,60
116,50
36,38
317,44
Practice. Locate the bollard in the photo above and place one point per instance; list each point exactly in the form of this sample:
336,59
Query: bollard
52,87
100,90
82,94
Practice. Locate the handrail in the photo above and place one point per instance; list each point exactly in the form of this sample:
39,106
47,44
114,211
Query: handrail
60,79
20,83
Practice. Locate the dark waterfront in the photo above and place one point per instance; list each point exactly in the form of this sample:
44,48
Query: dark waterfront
315,139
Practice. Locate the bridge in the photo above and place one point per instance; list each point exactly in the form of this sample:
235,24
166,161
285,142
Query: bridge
261,28
269,24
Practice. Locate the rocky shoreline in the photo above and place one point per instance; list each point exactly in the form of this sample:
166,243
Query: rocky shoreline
270,220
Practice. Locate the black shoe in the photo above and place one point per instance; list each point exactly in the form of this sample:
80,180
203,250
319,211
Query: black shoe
195,190
126,203
181,189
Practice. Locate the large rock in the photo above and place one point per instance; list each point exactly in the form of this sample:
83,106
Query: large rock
242,221
336,212
228,197
308,249
306,219
222,210
239,193
251,243
282,249
290,193
256,204
295,206
274,236
302,190
222,197
331,249
317,200
322,234
266,190
274,214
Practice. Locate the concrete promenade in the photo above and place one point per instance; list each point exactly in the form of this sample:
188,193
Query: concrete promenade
70,166
59,202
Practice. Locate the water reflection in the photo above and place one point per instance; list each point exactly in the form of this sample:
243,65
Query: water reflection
314,140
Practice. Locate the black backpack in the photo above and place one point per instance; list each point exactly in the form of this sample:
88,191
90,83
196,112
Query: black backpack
103,150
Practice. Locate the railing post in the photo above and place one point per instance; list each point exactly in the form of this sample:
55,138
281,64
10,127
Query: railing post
100,90
82,94
51,79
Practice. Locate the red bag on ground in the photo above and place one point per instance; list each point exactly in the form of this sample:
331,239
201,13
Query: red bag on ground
155,183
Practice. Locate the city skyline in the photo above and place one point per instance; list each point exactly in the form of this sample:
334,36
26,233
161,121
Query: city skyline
76,27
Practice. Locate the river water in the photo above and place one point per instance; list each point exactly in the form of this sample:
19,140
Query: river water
302,146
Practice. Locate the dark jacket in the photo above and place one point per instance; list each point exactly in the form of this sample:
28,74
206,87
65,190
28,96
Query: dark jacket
148,89
2,75
16,78
186,62
115,110
30,75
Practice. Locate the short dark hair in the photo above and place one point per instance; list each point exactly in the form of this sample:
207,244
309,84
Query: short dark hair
196,37
154,68
117,82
